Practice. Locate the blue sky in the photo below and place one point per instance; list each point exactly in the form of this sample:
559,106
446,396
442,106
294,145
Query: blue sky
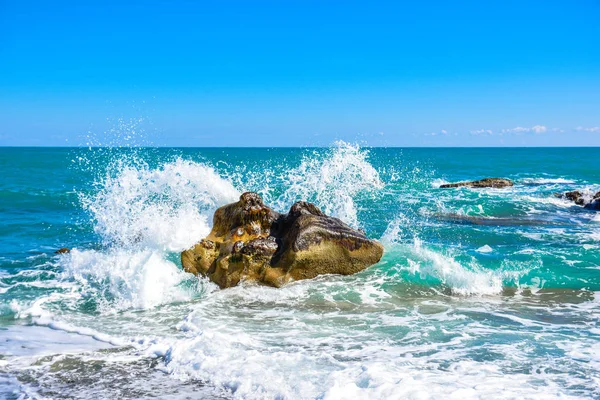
300,73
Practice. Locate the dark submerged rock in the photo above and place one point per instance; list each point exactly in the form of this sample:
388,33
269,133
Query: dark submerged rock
594,204
249,241
581,200
490,221
482,183
576,196
62,250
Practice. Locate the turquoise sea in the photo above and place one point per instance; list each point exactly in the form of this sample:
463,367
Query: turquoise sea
481,293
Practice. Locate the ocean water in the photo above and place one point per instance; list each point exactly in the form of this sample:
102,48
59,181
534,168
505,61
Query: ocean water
481,293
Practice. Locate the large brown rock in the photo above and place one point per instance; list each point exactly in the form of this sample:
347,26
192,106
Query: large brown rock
482,183
251,242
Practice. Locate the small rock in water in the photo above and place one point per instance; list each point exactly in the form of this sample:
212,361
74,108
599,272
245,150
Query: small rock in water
251,242
593,205
485,249
482,183
62,250
576,196
580,199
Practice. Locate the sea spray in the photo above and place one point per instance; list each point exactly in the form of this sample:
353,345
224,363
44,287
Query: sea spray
144,216
168,208
332,180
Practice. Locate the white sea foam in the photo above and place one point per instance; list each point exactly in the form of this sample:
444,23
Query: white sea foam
120,279
425,263
595,236
556,201
289,359
547,181
436,183
295,355
485,249
395,230
66,327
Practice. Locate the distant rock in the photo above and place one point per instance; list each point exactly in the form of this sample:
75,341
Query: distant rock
251,242
482,183
62,250
575,196
581,199
490,221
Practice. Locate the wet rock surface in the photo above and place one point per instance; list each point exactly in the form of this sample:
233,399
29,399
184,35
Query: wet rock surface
575,196
251,242
482,183
594,204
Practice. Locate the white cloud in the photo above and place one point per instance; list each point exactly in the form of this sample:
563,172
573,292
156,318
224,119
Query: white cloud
482,132
592,129
442,132
537,129
518,129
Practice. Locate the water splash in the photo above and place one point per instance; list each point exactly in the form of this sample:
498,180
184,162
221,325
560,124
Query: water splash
120,279
144,216
332,181
166,208
448,271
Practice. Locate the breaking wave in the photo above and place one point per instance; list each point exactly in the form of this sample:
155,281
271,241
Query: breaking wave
145,216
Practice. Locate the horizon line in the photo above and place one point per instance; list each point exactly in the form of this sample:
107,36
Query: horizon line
293,147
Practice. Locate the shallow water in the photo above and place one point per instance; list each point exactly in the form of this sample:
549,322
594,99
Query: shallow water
481,292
